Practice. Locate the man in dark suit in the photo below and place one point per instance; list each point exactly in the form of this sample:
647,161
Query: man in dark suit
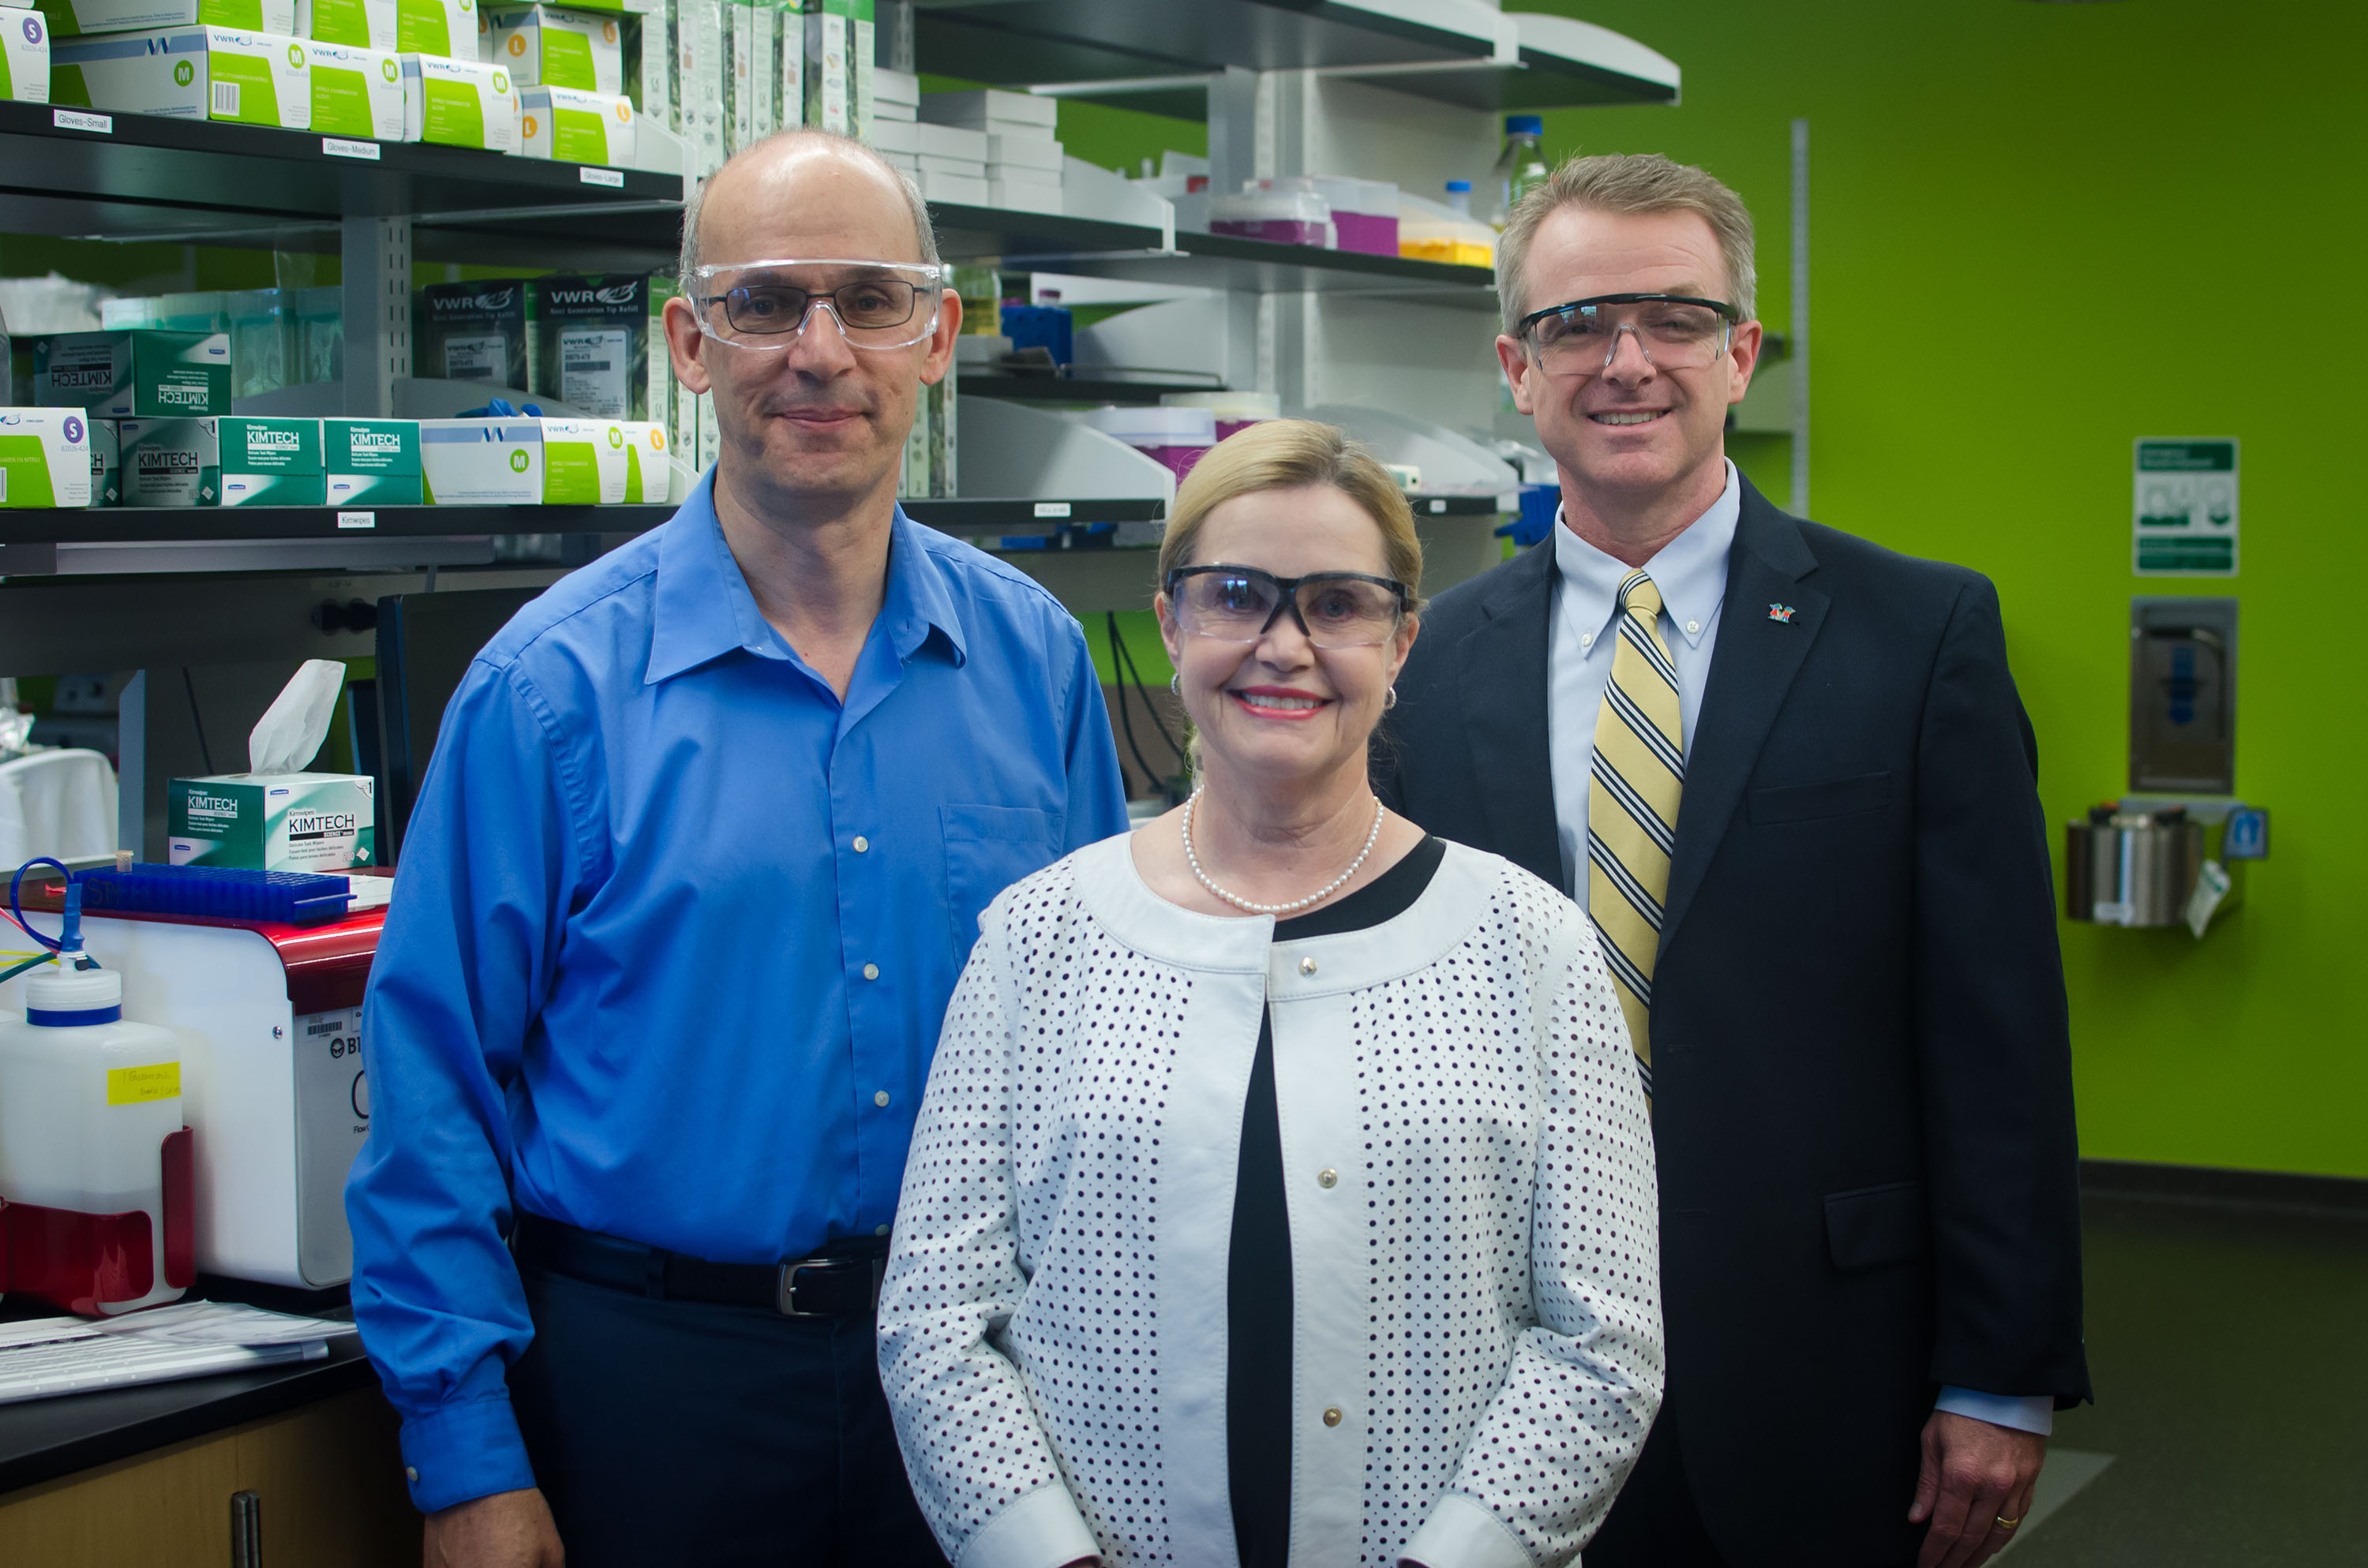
1790,777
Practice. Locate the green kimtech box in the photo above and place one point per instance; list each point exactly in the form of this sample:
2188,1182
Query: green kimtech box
139,373
272,822
372,463
270,462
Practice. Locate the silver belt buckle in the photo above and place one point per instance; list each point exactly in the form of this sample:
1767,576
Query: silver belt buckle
786,1301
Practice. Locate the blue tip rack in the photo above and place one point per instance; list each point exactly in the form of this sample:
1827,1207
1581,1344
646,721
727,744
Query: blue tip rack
217,892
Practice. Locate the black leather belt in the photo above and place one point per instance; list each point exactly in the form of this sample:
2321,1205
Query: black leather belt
842,1282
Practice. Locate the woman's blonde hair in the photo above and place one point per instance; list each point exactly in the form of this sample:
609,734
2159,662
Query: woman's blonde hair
1292,454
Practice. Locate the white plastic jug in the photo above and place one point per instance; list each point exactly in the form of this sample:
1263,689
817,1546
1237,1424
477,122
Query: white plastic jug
86,1101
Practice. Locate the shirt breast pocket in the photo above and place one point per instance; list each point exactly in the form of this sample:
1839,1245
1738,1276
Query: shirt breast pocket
987,849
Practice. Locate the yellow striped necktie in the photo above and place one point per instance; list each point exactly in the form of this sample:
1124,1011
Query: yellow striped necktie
1631,806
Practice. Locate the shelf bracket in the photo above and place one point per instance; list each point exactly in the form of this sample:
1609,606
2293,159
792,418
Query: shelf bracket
377,270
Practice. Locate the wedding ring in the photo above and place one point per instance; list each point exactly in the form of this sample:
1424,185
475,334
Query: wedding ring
2006,1524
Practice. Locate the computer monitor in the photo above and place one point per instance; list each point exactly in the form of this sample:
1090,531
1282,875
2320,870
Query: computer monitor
425,644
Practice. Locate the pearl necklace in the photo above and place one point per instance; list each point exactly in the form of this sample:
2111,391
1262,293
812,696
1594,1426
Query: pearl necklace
1338,882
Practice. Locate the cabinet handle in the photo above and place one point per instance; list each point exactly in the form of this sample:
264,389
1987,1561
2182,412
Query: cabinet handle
247,1529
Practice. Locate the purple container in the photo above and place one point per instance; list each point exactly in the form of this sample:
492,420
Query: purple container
1179,460
1283,231
1367,231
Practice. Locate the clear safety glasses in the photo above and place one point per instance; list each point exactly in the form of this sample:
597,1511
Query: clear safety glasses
1239,604
1677,331
764,305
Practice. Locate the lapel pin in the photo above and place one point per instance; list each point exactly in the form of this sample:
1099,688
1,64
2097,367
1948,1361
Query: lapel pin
1781,614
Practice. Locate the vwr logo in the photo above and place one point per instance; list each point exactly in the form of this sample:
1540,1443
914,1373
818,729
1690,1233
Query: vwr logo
322,824
498,301
212,806
194,397
617,294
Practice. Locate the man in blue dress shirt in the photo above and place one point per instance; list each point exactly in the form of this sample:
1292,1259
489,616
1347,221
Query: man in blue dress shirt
700,855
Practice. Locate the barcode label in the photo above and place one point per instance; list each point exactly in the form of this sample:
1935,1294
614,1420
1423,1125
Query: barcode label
587,364
226,99
591,175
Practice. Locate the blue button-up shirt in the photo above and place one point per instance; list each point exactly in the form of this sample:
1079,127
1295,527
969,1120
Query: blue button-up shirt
674,932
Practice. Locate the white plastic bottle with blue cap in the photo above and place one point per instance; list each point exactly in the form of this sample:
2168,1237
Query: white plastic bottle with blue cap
86,1102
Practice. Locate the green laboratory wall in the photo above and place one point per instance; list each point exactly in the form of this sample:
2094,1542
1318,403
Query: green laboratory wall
2040,232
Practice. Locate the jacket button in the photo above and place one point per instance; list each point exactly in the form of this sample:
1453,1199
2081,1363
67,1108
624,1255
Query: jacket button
1327,1177
1307,966
1332,1416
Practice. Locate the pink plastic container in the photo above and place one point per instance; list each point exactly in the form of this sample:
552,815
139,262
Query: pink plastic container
1367,231
1174,438
1281,230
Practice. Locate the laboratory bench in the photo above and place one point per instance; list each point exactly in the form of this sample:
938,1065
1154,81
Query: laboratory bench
154,1475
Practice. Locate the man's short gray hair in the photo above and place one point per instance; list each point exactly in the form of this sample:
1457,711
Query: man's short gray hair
1628,182
692,208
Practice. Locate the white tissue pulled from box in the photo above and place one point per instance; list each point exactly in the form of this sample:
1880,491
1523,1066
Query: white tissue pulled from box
289,735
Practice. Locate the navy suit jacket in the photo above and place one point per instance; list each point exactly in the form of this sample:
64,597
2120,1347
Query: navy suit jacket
1861,1056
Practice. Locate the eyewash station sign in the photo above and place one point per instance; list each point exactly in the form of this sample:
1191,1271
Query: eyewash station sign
2184,509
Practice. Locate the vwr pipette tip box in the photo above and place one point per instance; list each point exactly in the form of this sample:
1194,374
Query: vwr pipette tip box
272,822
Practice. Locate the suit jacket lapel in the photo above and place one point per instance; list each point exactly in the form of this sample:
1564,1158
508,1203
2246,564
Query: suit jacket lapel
1503,681
1752,669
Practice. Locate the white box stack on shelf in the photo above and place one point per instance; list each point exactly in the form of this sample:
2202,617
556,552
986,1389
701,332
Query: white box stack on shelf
1021,152
952,163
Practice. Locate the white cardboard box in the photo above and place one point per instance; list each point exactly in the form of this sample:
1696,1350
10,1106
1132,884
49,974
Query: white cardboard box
482,463
25,56
974,109
45,457
577,128
70,18
954,187
961,168
585,463
546,46
896,136
188,74
356,92
1033,151
1045,199
459,103
364,24
949,141
1021,174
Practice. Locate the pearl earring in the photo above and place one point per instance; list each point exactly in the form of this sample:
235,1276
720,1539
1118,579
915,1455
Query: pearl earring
1176,683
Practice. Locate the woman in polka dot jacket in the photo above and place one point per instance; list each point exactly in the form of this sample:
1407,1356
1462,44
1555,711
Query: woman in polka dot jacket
1325,1239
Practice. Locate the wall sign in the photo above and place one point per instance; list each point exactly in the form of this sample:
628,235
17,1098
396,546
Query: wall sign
2184,509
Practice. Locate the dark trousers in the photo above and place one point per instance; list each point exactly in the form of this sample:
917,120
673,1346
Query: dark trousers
1653,1522
673,1432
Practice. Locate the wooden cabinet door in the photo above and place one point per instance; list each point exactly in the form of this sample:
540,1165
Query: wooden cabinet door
329,1478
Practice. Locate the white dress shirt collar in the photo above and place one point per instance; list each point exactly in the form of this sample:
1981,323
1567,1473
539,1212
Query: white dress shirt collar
1690,572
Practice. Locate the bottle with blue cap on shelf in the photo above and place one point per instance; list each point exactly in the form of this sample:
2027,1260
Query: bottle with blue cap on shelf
1520,168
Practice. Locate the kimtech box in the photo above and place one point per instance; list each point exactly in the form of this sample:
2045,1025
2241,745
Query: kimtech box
470,332
45,457
481,462
597,342
69,18
24,57
446,28
170,462
459,103
139,372
372,463
201,72
272,822
270,462
576,128
545,46
106,462
364,24
356,91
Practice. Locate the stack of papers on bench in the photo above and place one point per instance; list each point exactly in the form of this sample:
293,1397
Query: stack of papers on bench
44,1357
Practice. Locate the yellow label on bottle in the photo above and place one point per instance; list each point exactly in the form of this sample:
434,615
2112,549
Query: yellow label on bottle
138,1085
